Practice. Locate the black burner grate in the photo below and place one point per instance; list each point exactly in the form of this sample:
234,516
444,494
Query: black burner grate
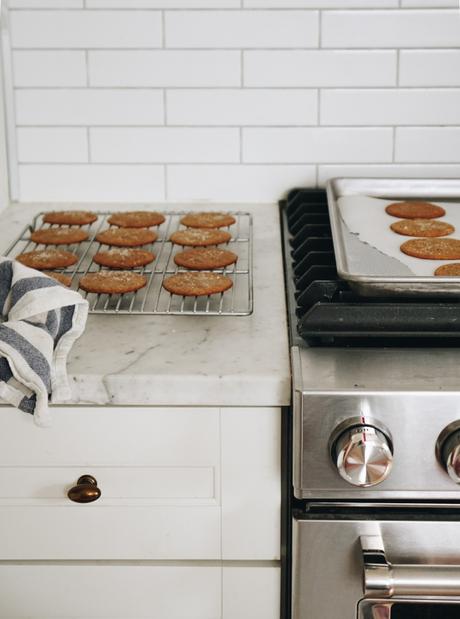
324,311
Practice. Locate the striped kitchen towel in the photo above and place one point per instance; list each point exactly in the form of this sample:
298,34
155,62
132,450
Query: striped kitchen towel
40,320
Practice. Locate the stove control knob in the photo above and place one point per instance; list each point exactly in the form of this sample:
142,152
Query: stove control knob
449,452
363,455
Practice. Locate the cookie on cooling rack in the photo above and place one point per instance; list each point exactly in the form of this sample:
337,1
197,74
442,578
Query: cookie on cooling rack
205,258
193,284
200,238
207,220
136,219
422,227
47,259
70,218
112,282
448,270
124,258
58,236
126,237
432,249
414,209
63,279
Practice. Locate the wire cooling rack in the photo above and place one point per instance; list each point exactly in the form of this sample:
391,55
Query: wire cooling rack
153,298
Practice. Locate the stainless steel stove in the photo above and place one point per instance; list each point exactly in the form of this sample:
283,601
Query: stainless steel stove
376,454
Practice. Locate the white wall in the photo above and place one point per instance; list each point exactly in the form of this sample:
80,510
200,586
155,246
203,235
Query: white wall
229,99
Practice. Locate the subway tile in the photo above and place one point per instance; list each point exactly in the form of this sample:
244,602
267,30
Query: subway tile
168,144
165,68
321,4
391,28
429,67
242,107
163,4
229,29
43,68
320,68
390,107
51,145
428,144
397,170
91,183
239,183
45,4
430,4
85,29
317,145
89,107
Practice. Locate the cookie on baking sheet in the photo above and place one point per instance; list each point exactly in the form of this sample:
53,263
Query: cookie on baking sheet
193,284
126,237
432,249
58,236
207,220
422,227
124,258
65,280
414,209
112,282
70,218
136,219
446,270
206,258
47,259
200,238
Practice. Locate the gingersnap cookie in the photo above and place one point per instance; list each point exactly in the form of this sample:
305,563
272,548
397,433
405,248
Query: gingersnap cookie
126,237
415,209
136,219
47,259
206,258
207,220
452,269
112,282
432,249
70,218
58,236
65,280
124,258
192,284
422,227
200,238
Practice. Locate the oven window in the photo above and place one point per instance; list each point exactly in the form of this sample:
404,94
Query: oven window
409,610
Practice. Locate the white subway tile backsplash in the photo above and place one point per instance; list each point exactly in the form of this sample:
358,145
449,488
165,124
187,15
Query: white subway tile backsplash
45,4
230,29
321,4
168,144
89,107
430,67
237,183
390,107
43,68
411,28
52,145
320,68
91,183
242,107
163,4
431,4
325,172
85,29
317,145
427,144
165,68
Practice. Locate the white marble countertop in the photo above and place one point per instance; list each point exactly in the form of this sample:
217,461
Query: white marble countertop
184,360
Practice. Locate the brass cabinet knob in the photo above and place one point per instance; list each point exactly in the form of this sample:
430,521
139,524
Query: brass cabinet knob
86,490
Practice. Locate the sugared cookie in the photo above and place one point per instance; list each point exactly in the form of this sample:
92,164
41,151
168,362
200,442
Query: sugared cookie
422,227
126,237
200,238
136,219
432,249
112,282
206,258
414,209
65,280
58,236
70,218
192,284
124,258
47,259
452,270
207,220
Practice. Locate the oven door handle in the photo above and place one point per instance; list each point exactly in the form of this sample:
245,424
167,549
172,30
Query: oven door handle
383,579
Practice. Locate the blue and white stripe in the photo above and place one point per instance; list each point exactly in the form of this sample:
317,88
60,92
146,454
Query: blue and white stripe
40,321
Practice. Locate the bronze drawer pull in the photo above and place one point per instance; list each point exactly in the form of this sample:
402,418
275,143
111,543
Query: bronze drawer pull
86,490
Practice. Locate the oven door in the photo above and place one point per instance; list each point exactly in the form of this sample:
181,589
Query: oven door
376,564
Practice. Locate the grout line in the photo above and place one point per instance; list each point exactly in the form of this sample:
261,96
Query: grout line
195,127
304,48
394,87
163,29
320,29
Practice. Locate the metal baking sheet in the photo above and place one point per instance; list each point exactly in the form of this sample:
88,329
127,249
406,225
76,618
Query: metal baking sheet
367,268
